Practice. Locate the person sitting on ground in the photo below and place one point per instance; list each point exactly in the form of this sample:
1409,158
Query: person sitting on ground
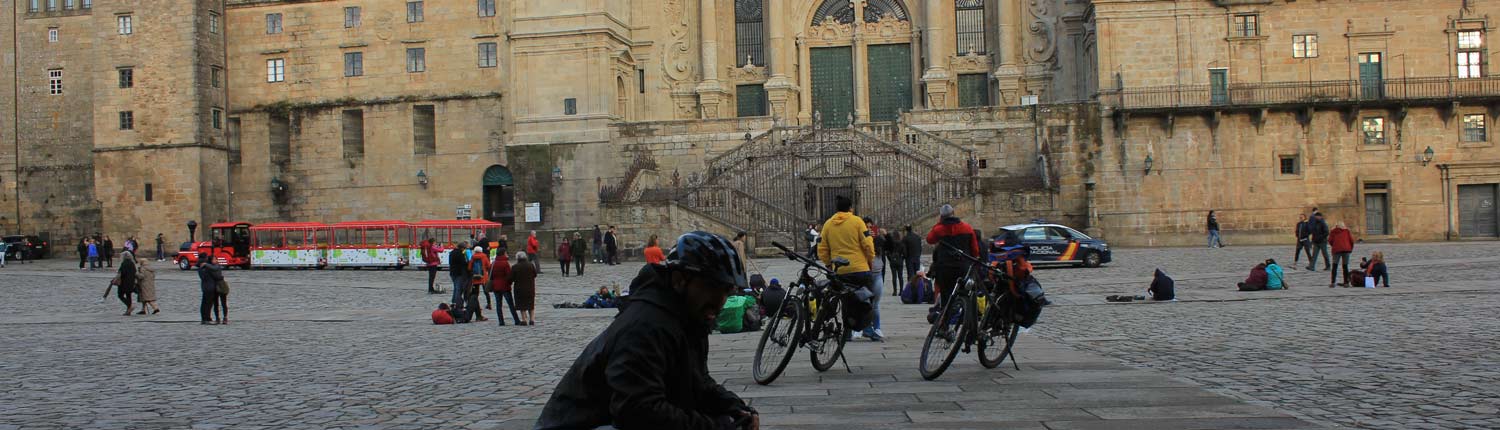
1275,277
649,368
600,300
1163,288
1375,268
441,315
1257,279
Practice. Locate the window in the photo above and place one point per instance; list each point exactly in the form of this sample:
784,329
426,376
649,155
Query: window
487,54
52,35
35,4
1246,26
1474,128
68,4
1374,130
148,191
233,135
51,5
354,133
973,89
213,23
1289,165
127,77
273,23
125,25
54,82
216,76
88,4
1034,233
1470,54
414,11
750,100
275,70
1305,46
570,106
354,64
424,136
127,120
416,60
969,26
218,118
486,7
640,80
351,17
749,33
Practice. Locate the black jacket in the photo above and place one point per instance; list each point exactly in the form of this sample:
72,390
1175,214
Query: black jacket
1318,230
913,245
648,370
1213,223
209,276
610,241
458,263
1302,230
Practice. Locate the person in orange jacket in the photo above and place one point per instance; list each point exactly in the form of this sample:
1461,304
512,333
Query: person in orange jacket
1342,242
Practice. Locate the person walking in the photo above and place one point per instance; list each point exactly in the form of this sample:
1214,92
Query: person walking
652,253
611,247
93,255
1304,244
1317,232
895,258
739,247
458,270
500,286
947,264
811,236
160,254
523,284
83,253
146,287
1214,241
432,261
580,250
845,235
128,282
4,248
565,255
598,245
912,249
479,267
209,276
534,246
1342,242
108,252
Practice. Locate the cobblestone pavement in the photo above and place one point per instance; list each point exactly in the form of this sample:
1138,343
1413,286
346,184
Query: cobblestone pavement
353,349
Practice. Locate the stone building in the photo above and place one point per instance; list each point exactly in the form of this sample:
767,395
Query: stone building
1128,118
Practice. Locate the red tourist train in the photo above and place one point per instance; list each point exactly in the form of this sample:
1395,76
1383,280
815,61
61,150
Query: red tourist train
351,244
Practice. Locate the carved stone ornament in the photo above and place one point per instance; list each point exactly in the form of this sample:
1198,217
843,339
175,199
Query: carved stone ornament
1040,46
676,59
970,63
830,31
888,27
746,74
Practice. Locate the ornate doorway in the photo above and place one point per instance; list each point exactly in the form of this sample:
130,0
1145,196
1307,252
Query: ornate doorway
859,62
499,195
833,85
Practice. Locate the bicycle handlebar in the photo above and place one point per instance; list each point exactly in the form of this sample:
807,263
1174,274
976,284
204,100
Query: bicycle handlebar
975,260
799,258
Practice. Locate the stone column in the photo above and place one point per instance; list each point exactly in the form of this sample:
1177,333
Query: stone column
861,66
711,94
938,51
780,89
1008,74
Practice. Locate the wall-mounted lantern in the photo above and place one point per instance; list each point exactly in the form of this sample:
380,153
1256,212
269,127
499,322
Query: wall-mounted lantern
422,178
1149,162
1426,156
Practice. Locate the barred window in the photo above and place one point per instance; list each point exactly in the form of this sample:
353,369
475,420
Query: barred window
749,32
1305,46
354,64
1246,25
127,120
1374,130
1289,165
1474,128
970,28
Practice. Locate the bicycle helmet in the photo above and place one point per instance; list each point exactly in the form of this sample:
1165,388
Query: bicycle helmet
708,255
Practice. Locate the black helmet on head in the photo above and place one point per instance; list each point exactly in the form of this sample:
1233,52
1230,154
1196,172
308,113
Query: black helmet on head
708,255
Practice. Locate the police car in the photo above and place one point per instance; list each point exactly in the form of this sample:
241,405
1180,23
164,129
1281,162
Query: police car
1054,244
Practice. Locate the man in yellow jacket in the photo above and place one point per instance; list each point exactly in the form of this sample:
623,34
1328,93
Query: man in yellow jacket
846,235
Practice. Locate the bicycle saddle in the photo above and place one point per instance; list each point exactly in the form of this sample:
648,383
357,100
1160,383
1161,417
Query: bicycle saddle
840,261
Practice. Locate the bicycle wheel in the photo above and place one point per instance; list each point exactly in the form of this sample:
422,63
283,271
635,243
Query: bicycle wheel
996,334
943,339
828,332
778,343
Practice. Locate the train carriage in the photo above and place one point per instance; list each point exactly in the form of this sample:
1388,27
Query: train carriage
383,244
448,233
289,244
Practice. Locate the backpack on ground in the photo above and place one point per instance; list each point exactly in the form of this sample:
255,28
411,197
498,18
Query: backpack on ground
753,317
732,317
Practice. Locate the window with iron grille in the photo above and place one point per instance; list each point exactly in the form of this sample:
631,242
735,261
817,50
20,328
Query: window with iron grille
127,77
1470,54
969,16
354,64
1246,25
973,89
414,11
487,55
750,100
486,7
1289,165
127,120
126,27
54,82
1474,128
351,17
416,60
1374,130
275,70
1305,46
749,33
273,23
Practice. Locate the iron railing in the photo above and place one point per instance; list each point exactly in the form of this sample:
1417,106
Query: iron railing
1267,94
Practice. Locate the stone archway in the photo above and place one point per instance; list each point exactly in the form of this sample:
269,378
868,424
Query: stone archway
499,195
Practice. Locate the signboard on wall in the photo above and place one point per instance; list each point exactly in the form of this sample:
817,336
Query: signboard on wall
534,212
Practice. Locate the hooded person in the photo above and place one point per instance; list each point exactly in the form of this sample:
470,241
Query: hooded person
947,265
649,369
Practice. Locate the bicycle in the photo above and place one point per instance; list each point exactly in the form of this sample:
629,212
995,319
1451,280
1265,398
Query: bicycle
810,316
976,313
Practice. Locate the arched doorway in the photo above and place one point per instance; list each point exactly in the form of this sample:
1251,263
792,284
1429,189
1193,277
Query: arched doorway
499,195
860,61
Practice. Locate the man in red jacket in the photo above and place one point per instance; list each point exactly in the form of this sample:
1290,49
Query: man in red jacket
533,246
1342,243
947,265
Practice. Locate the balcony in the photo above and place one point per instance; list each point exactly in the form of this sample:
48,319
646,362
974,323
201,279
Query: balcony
1305,94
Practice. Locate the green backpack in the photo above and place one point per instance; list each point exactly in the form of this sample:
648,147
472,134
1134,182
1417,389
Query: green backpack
732,317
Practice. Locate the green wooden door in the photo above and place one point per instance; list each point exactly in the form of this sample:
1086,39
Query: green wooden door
833,85
890,81
1371,82
1218,86
973,89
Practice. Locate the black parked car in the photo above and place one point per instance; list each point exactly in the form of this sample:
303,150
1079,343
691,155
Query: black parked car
37,251
1054,244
